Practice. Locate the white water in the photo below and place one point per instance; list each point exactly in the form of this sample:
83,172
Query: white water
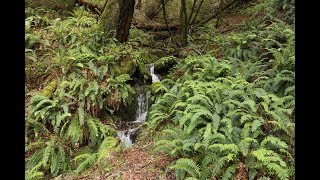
125,136
154,76
141,113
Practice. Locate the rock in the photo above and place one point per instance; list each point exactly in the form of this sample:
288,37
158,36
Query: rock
148,57
165,63
128,112
143,72
49,89
126,65
52,4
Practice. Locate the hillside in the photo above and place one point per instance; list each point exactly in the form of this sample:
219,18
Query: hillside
220,105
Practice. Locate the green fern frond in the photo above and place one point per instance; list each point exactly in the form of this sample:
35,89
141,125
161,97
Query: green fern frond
273,140
188,166
229,172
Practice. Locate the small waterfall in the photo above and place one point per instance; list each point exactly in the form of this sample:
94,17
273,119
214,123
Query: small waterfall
142,110
125,136
141,114
154,76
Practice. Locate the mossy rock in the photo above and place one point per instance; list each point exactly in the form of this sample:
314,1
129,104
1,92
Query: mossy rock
165,63
49,89
159,52
52,4
148,57
128,112
143,71
126,65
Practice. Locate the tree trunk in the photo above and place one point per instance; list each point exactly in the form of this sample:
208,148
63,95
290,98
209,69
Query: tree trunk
139,4
117,17
125,19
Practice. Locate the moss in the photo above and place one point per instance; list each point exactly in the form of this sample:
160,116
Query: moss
49,89
165,63
148,57
109,17
52,4
126,65
158,52
143,71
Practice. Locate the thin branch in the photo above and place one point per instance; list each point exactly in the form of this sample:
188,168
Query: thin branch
194,18
215,15
165,19
159,10
105,3
192,10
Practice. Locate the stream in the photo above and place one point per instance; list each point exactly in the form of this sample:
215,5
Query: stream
126,136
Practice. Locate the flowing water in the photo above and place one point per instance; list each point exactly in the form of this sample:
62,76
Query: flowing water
154,76
141,114
142,110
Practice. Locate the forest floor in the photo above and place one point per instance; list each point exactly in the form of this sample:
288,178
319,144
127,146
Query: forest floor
132,164
137,163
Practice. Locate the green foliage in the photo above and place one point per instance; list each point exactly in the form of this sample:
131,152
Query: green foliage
108,145
236,110
51,156
188,166
213,113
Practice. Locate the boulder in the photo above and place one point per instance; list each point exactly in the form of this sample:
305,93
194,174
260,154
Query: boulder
143,72
126,65
165,63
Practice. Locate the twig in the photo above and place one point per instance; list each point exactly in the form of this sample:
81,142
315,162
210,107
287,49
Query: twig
215,15
195,16
166,21
232,28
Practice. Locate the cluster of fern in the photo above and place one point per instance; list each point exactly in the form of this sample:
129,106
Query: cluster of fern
231,117
81,87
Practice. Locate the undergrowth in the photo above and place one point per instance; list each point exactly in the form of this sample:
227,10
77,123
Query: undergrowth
226,111
231,117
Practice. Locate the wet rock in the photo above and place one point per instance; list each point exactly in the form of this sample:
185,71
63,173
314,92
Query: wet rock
165,63
126,65
143,72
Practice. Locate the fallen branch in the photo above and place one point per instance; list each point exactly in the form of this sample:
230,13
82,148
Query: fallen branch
91,6
141,21
232,28
157,27
215,15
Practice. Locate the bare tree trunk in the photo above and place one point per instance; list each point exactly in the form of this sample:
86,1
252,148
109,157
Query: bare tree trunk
117,16
139,5
125,19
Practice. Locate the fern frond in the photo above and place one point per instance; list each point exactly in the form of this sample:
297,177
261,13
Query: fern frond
188,166
229,172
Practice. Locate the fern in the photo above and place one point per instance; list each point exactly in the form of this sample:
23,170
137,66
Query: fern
188,166
88,160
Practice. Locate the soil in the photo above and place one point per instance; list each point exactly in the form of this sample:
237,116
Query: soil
134,163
